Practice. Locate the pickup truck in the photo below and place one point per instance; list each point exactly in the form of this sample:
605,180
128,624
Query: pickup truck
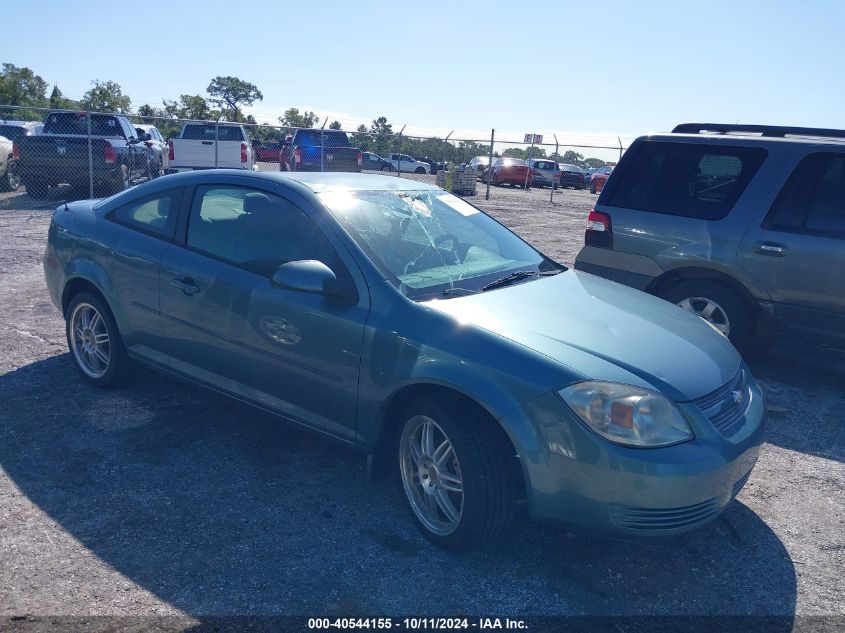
59,155
210,145
320,150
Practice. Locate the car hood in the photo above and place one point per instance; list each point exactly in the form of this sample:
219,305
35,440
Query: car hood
605,331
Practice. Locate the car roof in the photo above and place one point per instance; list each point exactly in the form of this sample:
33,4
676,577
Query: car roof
20,123
317,182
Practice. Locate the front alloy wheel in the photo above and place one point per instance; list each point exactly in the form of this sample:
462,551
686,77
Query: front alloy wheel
431,475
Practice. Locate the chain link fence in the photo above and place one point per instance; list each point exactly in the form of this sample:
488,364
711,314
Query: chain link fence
54,155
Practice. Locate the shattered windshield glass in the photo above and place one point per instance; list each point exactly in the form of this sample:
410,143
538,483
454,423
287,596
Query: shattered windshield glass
429,242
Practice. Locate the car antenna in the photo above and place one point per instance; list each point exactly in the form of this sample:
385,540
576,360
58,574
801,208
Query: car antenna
64,202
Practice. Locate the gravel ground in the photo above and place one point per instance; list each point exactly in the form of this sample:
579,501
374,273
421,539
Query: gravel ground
163,499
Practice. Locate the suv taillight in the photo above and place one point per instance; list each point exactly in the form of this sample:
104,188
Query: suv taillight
108,155
170,150
360,158
297,156
243,153
599,230
16,151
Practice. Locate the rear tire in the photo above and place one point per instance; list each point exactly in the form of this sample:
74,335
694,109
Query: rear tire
37,188
463,496
10,180
419,170
94,341
716,304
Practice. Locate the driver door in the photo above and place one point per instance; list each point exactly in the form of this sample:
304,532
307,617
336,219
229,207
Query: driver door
295,353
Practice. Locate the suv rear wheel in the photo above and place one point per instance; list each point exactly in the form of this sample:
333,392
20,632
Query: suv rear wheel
717,305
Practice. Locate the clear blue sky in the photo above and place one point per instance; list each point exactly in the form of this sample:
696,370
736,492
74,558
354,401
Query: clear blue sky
592,66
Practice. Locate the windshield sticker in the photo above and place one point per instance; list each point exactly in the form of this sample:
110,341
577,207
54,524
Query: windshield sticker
462,207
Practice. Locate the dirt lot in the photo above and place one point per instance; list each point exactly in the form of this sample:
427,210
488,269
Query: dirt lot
164,499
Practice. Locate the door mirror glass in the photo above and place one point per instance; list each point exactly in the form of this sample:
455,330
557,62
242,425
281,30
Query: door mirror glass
308,275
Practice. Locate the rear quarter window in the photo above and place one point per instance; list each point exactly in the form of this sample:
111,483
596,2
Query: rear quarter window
694,180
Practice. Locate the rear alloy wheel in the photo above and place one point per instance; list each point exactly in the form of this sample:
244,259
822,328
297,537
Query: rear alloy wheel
456,476
94,341
419,170
717,305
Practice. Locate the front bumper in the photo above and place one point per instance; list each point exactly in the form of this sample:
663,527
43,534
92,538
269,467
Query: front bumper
576,478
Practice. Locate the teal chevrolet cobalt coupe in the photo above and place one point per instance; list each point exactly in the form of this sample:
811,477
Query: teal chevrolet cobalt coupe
405,322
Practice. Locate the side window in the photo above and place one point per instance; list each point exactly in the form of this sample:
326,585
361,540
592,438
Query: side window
694,180
154,214
255,230
813,199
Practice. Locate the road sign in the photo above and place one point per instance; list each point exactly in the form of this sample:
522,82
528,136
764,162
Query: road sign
534,138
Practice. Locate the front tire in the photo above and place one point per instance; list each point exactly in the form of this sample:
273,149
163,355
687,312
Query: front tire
94,341
456,474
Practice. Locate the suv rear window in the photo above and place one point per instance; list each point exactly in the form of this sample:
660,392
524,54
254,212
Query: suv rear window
205,132
331,138
693,180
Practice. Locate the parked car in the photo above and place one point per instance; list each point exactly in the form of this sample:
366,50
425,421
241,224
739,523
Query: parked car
60,154
508,171
588,174
599,178
571,176
13,130
478,164
408,164
374,162
158,148
545,173
208,145
743,225
402,320
433,165
9,180
268,152
320,150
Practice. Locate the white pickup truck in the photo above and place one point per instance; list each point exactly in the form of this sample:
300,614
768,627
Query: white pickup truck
210,145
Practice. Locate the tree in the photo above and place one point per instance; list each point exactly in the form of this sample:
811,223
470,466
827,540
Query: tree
190,107
232,93
59,102
382,131
106,96
334,125
571,157
594,162
21,87
362,140
293,118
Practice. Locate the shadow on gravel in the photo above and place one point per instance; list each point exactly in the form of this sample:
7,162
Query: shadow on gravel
219,510
806,386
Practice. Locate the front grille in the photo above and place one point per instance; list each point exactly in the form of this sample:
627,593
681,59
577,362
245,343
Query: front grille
726,407
663,518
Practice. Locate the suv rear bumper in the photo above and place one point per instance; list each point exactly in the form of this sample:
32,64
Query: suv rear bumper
632,270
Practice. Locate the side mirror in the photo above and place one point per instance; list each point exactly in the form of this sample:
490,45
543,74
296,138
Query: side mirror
288,139
312,276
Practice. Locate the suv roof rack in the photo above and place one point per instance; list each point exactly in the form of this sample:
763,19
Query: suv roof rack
776,131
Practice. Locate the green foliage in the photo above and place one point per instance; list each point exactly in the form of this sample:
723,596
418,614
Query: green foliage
335,125
22,87
528,152
106,96
59,102
594,162
190,107
292,118
233,93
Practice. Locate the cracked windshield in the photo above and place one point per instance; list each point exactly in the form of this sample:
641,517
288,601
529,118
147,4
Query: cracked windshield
432,244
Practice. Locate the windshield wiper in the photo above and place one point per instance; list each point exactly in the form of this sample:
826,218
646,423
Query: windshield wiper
507,280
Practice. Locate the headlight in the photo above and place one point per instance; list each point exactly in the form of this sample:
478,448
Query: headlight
627,415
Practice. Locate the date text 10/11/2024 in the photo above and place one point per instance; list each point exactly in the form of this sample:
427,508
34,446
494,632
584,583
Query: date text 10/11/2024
417,624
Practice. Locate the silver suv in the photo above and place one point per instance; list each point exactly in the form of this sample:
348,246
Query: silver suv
743,225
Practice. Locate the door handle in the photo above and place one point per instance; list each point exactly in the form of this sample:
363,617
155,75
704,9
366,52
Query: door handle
185,284
772,249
